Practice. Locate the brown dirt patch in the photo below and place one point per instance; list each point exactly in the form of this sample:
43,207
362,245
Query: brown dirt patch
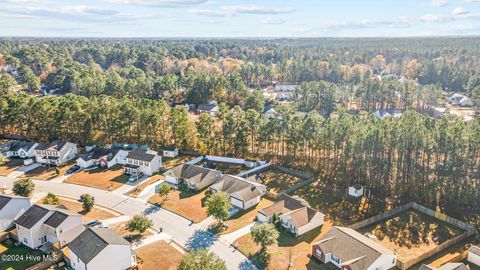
95,213
106,179
45,173
185,203
159,256
10,166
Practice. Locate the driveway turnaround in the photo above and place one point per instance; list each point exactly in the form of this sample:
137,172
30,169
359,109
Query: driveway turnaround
179,228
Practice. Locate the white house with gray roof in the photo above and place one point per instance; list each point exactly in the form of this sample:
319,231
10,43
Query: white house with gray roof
44,223
243,193
19,149
11,206
348,249
194,176
99,249
102,157
55,153
143,161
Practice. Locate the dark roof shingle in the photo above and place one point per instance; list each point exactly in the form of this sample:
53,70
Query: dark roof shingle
33,215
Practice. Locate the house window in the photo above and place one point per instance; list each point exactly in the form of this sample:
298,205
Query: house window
318,252
336,259
43,239
25,240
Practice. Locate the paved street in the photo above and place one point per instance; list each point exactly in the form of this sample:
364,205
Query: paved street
187,234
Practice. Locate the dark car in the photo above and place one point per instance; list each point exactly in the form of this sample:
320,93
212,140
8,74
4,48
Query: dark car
73,169
93,223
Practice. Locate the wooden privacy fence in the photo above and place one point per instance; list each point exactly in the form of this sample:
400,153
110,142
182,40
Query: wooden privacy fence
469,230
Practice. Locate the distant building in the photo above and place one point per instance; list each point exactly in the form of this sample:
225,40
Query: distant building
43,223
19,149
285,87
447,266
388,113
347,249
460,100
143,161
210,108
294,215
356,191
102,157
243,193
55,153
269,112
474,255
11,207
171,151
101,248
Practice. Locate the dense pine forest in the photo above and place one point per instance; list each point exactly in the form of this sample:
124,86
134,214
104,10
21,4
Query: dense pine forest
133,91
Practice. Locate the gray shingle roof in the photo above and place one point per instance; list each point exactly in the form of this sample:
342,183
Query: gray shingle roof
4,200
15,146
142,154
475,250
98,152
33,215
92,241
283,205
55,145
193,173
56,219
237,187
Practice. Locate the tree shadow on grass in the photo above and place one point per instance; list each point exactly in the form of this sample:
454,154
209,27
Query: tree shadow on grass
201,239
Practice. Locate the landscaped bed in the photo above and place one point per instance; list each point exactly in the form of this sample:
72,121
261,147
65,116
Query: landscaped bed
244,218
158,255
106,179
137,190
10,165
184,202
411,233
21,262
290,251
96,213
278,181
46,173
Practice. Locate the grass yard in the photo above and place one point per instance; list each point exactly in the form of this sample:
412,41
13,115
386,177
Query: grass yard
229,169
10,165
169,163
334,203
244,218
136,191
186,203
289,253
121,229
411,233
45,173
8,248
278,181
106,179
96,212
158,255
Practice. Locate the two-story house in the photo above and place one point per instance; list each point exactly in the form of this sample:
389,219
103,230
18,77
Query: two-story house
143,161
55,153
243,193
43,223
11,206
99,249
294,215
102,157
348,249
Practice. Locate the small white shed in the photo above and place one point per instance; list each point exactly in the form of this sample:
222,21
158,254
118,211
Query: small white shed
356,191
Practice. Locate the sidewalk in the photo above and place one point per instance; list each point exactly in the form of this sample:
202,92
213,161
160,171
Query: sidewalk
231,237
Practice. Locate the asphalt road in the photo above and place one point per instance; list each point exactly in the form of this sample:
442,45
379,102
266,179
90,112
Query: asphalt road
181,230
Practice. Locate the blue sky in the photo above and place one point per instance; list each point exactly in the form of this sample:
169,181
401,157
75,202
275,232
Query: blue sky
233,18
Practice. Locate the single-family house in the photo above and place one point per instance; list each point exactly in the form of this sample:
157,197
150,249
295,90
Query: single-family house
99,249
143,161
388,113
474,255
194,176
19,149
356,191
102,157
294,215
348,249
269,112
447,266
210,108
170,151
285,87
243,193
43,223
460,100
11,206
55,153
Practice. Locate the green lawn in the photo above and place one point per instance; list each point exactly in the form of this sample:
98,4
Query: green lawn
20,261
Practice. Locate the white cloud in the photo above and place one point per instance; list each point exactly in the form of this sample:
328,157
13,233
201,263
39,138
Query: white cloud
429,18
273,20
77,12
25,2
439,3
233,10
158,3
459,11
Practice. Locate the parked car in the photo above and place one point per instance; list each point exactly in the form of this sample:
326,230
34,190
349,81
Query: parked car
73,169
93,223
134,178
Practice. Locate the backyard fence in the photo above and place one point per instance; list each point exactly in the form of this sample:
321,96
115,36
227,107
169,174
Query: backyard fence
467,228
